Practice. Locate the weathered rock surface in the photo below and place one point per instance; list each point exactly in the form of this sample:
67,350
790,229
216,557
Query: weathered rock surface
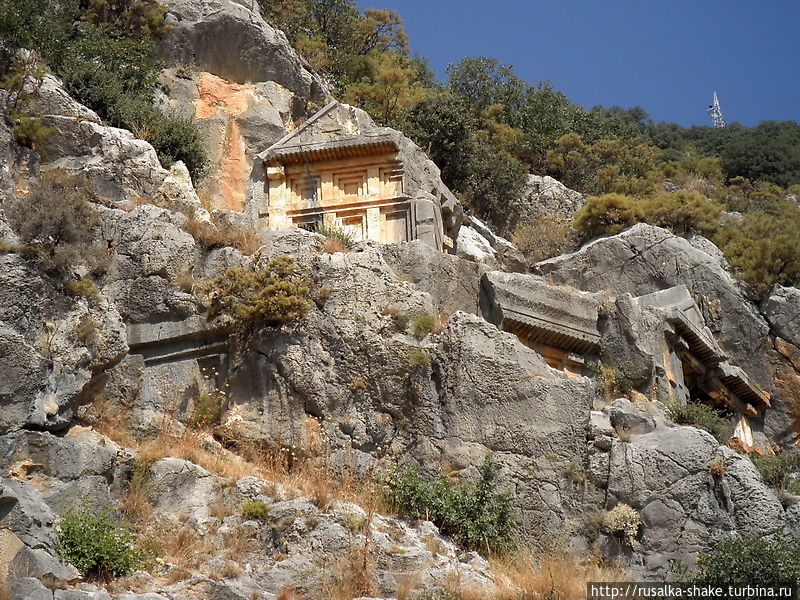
647,259
690,492
546,195
782,311
231,40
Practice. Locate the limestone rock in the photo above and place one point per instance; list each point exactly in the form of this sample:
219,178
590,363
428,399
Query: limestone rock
546,195
28,588
452,282
230,39
478,243
782,311
646,259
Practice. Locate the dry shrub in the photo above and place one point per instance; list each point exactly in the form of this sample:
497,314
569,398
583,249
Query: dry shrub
290,594
406,584
135,504
351,577
302,472
244,239
237,545
231,570
183,546
332,246
176,575
545,237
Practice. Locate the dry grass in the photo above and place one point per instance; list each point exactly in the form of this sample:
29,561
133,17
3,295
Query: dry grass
231,570
186,281
246,240
406,586
332,246
237,545
290,594
183,546
176,575
351,577
135,504
557,575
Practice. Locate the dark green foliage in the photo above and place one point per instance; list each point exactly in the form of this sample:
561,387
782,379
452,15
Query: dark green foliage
56,222
266,295
97,543
178,138
255,509
777,470
476,515
764,248
702,416
102,49
758,560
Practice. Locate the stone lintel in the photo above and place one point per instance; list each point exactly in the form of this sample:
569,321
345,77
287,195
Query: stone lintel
543,313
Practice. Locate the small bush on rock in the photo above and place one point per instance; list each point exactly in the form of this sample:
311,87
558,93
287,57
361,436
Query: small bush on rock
607,215
267,295
546,236
622,521
422,325
755,560
702,416
338,240
476,515
683,212
56,222
777,470
418,358
97,543
254,509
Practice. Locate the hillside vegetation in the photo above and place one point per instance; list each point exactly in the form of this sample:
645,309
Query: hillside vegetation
486,129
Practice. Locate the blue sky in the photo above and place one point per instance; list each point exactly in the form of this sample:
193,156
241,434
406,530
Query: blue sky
667,56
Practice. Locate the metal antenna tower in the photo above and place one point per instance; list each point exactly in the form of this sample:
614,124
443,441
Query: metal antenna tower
715,112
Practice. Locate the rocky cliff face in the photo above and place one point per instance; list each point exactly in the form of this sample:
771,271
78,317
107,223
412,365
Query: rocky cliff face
99,392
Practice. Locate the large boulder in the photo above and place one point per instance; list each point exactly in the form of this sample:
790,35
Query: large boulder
229,38
782,311
645,259
690,493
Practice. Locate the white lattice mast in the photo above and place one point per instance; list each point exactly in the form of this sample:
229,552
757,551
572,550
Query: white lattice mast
715,112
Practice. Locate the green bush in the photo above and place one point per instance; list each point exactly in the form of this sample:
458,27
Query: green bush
97,543
683,212
607,215
764,247
777,470
702,416
474,514
266,295
755,560
418,359
422,325
207,408
255,509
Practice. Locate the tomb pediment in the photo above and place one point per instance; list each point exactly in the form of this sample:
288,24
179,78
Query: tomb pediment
335,132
